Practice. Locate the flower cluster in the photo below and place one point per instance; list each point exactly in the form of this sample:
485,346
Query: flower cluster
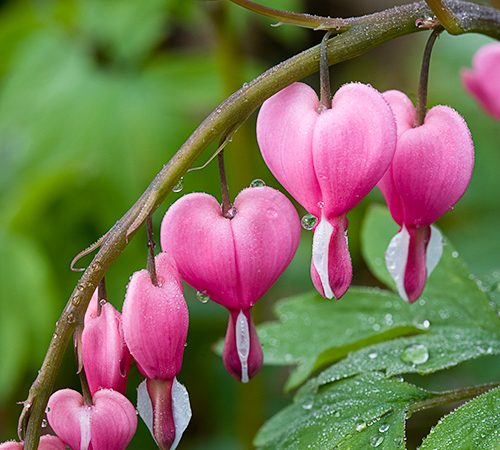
328,159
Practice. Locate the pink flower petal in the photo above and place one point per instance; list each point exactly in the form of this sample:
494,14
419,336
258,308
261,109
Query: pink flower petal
353,146
155,321
285,128
433,166
105,356
482,81
242,355
233,261
331,267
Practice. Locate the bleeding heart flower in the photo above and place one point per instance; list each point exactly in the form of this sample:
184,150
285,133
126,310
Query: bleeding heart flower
483,81
431,170
108,424
155,323
233,261
105,356
328,159
47,442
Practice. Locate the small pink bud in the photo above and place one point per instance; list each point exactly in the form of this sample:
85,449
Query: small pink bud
47,442
483,80
155,323
430,171
233,261
106,358
328,159
108,424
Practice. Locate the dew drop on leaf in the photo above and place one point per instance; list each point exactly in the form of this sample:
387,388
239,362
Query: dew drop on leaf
257,183
384,427
360,426
308,222
372,355
415,354
375,441
308,405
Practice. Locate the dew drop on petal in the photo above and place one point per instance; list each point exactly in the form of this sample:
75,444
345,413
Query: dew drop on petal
257,183
308,222
415,354
179,185
202,296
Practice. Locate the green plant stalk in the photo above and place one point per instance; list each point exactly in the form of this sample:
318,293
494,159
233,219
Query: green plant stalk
445,16
458,395
365,33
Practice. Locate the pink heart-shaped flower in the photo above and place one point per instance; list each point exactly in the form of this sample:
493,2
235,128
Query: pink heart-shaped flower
108,424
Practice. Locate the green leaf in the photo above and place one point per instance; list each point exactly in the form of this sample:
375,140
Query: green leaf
352,413
423,354
475,425
313,332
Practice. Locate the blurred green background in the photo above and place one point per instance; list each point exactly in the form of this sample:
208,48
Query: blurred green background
96,95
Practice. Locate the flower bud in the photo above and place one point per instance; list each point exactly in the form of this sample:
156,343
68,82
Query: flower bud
47,442
105,356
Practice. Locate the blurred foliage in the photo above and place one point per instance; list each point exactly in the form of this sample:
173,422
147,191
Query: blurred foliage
96,95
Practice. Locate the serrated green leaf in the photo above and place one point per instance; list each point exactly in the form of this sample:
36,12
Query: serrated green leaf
313,332
343,415
475,425
423,354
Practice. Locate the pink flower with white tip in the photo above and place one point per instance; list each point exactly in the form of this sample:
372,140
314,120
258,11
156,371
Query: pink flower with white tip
105,356
328,159
155,323
431,170
47,442
109,423
483,80
234,261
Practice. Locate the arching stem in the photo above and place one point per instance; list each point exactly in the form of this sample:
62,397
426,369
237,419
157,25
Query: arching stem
227,207
151,251
424,76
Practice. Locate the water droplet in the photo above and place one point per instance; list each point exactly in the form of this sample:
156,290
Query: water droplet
308,404
179,185
384,427
360,426
96,266
454,254
375,441
80,287
47,410
336,413
376,327
75,301
415,354
202,296
231,214
272,213
308,222
71,318
388,319
373,355
425,324
44,423
257,183
102,302
320,205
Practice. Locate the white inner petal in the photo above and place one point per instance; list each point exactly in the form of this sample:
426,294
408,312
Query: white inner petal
243,344
396,257
321,244
85,434
144,406
434,250
181,409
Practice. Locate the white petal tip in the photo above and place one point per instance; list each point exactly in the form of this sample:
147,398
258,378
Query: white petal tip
320,249
181,409
396,257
